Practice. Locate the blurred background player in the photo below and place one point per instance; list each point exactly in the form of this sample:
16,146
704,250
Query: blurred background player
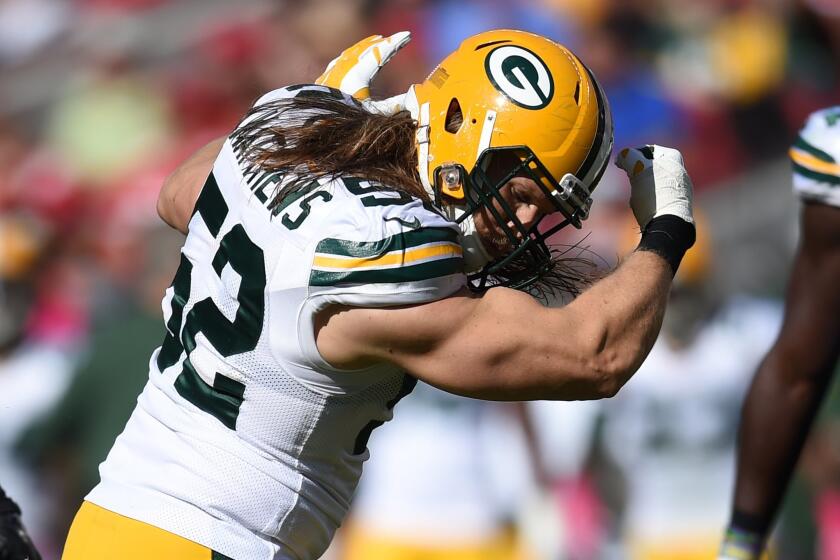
33,376
794,377
670,431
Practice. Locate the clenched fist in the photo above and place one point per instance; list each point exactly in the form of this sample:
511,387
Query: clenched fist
659,183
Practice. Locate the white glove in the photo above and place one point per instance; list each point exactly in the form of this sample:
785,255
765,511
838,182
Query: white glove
659,183
354,69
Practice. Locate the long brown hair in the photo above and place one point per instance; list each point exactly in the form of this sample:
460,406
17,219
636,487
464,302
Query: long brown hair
309,137
320,134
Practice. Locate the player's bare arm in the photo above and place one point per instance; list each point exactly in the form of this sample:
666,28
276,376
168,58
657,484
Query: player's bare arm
792,381
181,188
585,350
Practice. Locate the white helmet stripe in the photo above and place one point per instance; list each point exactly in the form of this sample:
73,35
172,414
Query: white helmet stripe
423,149
486,132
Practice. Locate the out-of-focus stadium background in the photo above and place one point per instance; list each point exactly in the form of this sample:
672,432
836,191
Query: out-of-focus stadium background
101,99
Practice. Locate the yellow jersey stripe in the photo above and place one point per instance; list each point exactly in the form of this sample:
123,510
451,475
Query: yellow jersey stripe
807,160
447,250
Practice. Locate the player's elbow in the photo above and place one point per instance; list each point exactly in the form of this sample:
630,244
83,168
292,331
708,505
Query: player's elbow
166,198
164,205
608,366
611,371
168,204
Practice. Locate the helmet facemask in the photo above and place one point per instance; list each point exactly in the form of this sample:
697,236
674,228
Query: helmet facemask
529,263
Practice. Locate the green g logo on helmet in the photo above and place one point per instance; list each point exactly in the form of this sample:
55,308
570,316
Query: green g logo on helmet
521,75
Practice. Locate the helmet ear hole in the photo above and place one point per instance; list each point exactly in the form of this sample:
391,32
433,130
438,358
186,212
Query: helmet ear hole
577,94
454,117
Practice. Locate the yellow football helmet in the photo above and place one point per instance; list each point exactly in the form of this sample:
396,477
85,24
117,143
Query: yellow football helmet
529,101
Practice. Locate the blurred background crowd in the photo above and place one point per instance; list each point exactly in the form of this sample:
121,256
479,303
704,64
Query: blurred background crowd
101,99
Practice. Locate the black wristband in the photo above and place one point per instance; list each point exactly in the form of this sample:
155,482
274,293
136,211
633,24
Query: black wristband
7,505
669,237
756,524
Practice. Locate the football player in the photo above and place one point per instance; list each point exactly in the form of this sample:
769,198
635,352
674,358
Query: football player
337,251
793,378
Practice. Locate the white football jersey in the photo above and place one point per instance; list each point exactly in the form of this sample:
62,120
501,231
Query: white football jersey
815,155
245,439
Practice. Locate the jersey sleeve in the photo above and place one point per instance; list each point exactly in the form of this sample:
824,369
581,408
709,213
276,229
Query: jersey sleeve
410,255
815,157
380,255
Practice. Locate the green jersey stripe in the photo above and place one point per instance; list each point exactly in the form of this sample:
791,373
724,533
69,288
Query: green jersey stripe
399,242
805,146
815,175
414,273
